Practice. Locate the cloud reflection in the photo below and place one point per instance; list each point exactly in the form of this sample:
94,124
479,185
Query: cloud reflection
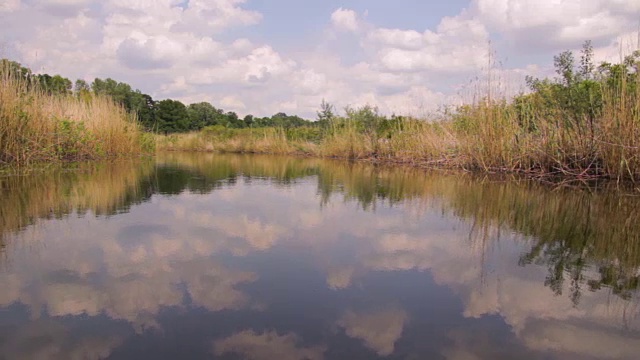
47,340
266,346
379,331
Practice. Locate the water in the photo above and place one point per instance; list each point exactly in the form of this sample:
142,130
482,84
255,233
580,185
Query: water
203,256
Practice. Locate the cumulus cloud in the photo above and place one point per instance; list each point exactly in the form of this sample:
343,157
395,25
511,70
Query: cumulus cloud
345,19
149,53
10,5
206,17
558,23
458,45
63,8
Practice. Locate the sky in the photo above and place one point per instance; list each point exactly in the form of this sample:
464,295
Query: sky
266,56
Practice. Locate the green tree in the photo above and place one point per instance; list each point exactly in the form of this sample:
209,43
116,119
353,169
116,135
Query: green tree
81,86
171,116
54,84
144,106
248,120
15,69
203,114
575,98
325,114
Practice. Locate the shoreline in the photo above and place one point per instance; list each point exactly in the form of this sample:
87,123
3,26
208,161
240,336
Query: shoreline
554,179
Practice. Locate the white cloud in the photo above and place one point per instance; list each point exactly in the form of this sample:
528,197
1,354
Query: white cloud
345,19
149,53
259,66
9,5
459,45
559,22
205,17
232,103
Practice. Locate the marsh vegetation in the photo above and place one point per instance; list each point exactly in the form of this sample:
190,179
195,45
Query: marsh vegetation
584,123
40,122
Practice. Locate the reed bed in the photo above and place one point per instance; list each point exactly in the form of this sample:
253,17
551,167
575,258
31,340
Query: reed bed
36,126
219,139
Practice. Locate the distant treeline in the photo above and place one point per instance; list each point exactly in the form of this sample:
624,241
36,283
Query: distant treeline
163,116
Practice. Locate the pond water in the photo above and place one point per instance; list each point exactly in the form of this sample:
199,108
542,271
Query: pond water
246,257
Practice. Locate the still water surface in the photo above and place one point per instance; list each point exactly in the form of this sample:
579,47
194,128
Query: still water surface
240,257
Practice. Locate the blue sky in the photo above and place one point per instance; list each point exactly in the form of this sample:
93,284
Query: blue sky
266,56
284,18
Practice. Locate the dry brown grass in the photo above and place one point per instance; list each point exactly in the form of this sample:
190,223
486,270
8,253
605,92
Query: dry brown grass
36,126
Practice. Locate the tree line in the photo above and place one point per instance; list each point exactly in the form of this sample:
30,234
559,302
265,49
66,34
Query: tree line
162,116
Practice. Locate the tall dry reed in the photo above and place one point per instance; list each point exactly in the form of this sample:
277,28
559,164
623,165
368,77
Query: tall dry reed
36,126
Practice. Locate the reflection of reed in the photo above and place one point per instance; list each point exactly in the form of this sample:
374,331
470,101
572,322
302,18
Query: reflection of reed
282,169
102,188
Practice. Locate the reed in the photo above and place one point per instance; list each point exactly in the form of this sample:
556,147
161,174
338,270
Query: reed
277,141
36,126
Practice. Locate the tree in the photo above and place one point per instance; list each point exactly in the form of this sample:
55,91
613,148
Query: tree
15,69
81,86
54,84
575,97
248,120
144,106
326,113
232,120
202,114
564,64
171,116
586,61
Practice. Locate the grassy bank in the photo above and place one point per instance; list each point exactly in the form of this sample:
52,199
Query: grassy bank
584,123
37,126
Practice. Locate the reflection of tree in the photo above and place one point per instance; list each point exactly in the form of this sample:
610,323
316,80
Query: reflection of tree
203,173
369,184
621,282
572,232
560,259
